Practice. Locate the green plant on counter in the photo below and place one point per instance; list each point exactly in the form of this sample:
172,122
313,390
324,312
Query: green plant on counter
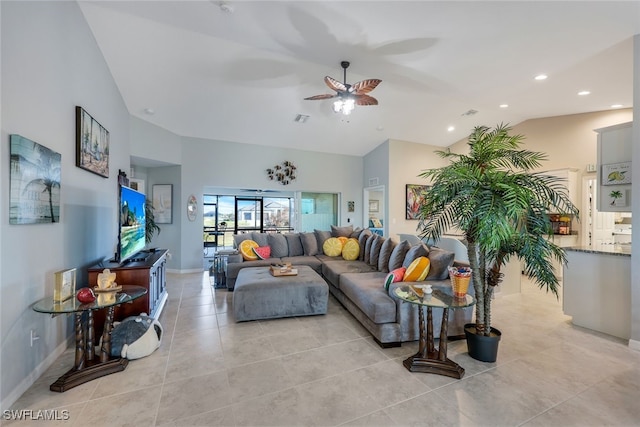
492,196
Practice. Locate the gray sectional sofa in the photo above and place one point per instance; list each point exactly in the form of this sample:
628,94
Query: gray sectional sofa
359,284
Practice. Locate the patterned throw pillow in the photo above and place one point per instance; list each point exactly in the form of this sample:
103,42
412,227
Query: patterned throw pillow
418,270
262,252
394,276
332,247
351,250
246,249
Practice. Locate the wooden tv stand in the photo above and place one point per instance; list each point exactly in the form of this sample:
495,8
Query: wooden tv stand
149,273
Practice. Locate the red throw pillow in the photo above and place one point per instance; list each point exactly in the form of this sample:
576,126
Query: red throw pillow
394,276
262,252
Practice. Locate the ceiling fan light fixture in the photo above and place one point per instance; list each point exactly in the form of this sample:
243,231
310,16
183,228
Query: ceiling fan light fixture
344,105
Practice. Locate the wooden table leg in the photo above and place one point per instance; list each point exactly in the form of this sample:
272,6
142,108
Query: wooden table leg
91,350
105,349
80,344
442,349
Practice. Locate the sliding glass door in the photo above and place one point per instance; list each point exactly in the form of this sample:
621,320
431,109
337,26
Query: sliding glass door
248,215
318,211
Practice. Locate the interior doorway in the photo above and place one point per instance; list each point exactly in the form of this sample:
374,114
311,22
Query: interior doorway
374,210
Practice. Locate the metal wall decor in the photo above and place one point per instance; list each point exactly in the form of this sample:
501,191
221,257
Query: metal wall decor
284,172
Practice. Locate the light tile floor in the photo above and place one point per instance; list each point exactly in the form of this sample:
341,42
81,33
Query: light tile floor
326,371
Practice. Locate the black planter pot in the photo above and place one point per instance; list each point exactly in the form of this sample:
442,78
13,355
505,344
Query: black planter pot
482,348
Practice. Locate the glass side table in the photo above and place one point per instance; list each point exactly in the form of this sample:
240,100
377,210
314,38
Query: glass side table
87,365
428,359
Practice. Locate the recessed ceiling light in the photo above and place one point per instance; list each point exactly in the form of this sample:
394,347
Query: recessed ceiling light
149,111
504,105
451,128
584,92
541,77
616,106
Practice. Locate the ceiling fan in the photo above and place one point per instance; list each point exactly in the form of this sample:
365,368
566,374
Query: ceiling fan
348,95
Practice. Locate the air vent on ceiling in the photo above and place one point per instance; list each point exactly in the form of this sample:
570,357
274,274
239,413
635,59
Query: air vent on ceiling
301,118
469,112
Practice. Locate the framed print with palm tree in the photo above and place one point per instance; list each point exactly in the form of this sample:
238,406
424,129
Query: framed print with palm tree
34,181
92,144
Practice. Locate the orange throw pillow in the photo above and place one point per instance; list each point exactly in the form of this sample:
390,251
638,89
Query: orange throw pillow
418,270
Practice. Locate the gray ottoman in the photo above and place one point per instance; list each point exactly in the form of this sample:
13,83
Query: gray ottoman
259,295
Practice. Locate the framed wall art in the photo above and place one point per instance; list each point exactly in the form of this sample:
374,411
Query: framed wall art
351,206
162,199
92,144
416,194
616,173
374,205
137,184
34,195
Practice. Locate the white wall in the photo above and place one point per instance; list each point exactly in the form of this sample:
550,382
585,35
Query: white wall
635,204
50,64
406,161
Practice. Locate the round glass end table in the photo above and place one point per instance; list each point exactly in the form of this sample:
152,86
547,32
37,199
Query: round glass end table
89,366
428,359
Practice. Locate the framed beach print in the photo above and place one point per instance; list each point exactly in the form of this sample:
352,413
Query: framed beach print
162,199
34,181
416,194
92,144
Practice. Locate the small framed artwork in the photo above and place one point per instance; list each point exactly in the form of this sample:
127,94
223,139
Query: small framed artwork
65,285
92,144
416,195
616,173
162,198
34,195
351,206
137,184
374,205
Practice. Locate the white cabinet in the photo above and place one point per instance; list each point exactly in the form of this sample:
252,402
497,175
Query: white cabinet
614,148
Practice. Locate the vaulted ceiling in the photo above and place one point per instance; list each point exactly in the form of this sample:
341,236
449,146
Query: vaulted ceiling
238,71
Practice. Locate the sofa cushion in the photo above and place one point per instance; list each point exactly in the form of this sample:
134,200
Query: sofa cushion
332,247
364,290
356,233
310,261
351,250
362,240
417,270
332,270
294,244
278,244
341,231
397,255
375,251
440,260
385,253
239,238
416,251
262,239
367,247
309,243
321,236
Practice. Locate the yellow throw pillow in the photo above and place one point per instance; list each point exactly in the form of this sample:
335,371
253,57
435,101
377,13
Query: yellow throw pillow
342,239
246,249
351,250
332,247
418,270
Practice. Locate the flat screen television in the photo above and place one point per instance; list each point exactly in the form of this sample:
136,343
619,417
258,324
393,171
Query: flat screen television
131,232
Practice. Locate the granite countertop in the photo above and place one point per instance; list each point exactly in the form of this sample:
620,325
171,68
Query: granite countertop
604,248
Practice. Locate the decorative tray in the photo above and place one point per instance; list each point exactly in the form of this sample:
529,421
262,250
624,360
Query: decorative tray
113,289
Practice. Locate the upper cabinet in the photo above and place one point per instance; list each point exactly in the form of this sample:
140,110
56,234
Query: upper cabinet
569,177
614,168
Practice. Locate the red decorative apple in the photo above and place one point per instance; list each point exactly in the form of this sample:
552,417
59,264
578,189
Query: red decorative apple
86,295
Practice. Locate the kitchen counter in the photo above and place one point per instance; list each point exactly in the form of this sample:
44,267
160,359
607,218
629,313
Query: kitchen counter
604,248
596,289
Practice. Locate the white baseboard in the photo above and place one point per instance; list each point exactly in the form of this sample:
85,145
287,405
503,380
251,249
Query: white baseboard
27,382
634,345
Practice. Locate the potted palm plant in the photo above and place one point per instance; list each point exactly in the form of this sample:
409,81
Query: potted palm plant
492,196
150,225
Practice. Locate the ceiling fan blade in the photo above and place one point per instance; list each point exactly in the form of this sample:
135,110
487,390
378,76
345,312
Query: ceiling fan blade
364,86
365,100
335,84
325,96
